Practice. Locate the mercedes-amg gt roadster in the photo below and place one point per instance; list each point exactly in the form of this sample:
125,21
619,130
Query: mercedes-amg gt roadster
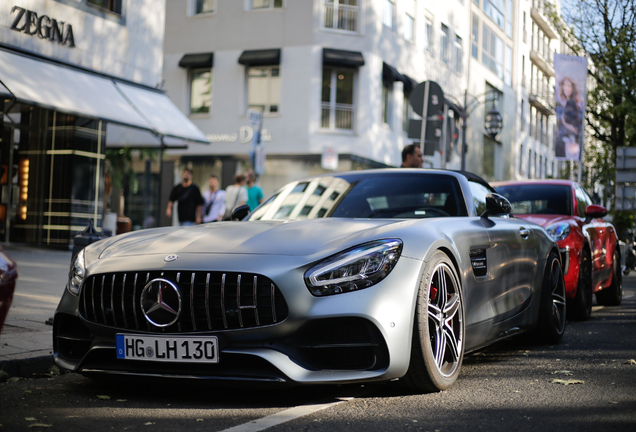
377,275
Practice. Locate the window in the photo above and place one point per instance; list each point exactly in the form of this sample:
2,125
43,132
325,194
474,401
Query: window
479,193
407,112
387,90
342,15
492,55
443,44
428,37
204,6
488,159
200,91
265,4
409,25
388,14
508,68
520,158
458,54
509,18
475,38
338,109
495,10
109,5
263,89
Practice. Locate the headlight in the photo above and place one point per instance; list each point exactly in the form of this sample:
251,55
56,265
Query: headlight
558,231
76,273
354,269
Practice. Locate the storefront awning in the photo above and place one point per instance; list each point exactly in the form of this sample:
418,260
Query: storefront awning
63,88
265,57
197,61
336,57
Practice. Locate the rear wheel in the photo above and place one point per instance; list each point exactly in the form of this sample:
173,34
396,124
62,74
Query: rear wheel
613,295
437,348
580,307
551,325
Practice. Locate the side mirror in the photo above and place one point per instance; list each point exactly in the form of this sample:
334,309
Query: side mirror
595,211
496,204
240,213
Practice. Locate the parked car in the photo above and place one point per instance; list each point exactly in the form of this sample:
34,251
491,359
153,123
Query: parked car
588,244
8,276
360,276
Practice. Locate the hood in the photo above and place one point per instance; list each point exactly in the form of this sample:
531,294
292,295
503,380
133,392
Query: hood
296,238
544,219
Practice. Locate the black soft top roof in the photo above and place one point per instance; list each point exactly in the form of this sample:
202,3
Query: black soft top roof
475,178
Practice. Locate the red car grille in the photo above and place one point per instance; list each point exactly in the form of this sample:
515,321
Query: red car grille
210,301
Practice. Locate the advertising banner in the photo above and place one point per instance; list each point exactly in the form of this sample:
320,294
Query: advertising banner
570,74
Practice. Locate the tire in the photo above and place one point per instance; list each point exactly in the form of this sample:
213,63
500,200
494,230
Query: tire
437,348
580,307
613,295
552,307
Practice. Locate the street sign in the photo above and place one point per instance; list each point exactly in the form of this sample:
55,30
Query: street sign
427,100
254,116
329,159
435,99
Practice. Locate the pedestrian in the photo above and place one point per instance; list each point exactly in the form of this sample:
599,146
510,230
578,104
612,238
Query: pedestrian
214,200
254,192
188,197
235,195
412,156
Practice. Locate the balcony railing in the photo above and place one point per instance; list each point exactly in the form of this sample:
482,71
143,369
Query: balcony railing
340,116
341,17
541,12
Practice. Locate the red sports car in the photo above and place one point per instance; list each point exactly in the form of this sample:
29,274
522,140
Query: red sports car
589,246
8,275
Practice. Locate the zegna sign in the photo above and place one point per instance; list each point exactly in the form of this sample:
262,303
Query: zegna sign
29,23
244,135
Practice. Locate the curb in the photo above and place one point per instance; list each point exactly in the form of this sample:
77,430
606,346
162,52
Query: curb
26,368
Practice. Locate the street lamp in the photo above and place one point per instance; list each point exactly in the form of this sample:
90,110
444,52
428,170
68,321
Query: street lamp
493,120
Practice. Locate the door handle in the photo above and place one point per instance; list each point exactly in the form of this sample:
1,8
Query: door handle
524,233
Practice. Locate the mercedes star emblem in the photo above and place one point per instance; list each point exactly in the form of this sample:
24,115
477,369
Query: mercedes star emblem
171,258
161,302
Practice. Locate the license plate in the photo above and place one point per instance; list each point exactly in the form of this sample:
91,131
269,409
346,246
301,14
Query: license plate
184,349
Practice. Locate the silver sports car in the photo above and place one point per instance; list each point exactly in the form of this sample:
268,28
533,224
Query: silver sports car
389,274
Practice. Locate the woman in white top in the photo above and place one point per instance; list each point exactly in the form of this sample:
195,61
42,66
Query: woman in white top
235,195
214,206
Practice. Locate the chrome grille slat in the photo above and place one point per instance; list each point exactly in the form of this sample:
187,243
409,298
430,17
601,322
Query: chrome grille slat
217,301
207,300
112,300
238,300
135,301
223,300
123,304
194,321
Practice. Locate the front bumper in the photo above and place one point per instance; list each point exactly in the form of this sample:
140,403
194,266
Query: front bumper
358,336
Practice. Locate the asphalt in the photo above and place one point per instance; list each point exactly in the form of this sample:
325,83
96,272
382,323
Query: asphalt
26,341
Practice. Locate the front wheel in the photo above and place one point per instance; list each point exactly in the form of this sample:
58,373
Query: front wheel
613,295
437,349
551,321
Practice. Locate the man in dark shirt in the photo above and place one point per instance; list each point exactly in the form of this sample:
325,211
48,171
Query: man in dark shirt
412,156
188,195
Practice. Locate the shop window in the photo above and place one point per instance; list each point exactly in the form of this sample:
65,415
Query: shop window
109,5
263,89
200,91
341,15
387,91
338,108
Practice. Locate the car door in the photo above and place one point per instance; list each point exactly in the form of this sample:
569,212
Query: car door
512,257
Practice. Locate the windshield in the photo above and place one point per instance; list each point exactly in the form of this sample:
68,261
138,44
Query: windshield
380,196
538,199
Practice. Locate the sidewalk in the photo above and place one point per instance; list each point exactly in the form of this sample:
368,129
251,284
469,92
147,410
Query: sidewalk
26,341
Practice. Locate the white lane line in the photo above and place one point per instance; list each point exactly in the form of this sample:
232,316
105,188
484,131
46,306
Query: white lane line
282,417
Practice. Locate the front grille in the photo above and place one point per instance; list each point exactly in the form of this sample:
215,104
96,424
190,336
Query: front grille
210,301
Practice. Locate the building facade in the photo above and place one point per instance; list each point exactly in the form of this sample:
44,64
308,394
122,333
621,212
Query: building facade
75,78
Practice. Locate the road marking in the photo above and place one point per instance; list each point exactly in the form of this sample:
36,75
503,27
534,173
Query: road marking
283,417
44,298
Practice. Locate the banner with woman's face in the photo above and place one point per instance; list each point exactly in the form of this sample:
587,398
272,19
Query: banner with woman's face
570,101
